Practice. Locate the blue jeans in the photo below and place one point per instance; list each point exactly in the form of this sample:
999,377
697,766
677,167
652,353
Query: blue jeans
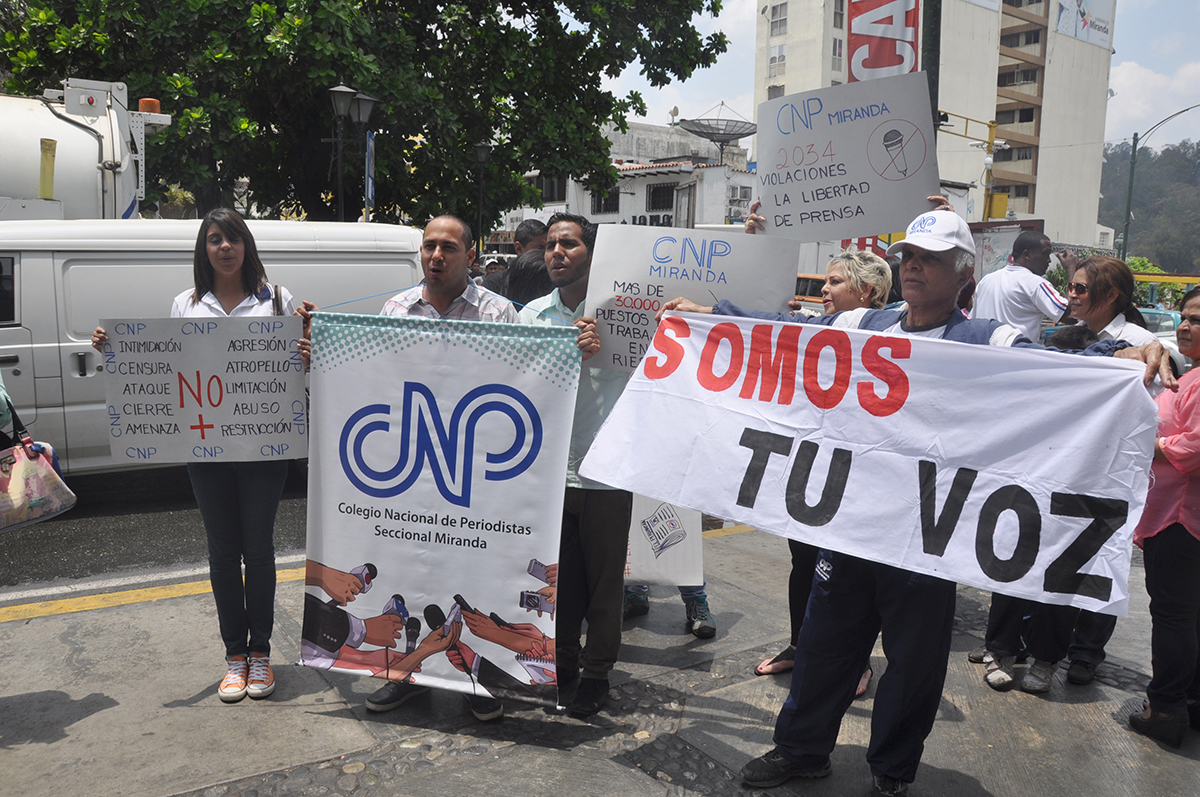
238,501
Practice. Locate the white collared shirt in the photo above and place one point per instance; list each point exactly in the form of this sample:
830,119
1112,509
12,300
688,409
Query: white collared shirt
1016,296
261,303
1121,329
473,304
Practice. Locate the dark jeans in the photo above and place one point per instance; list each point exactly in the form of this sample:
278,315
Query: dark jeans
591,579
852,600
1173,582
238,501
1092,632
1047,635
804,559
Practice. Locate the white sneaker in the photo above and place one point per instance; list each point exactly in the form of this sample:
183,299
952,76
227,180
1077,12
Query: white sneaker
998,673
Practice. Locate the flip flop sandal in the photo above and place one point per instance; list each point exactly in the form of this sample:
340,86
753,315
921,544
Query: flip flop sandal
865,685
786,656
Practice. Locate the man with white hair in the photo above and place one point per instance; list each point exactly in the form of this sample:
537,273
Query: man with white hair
854,599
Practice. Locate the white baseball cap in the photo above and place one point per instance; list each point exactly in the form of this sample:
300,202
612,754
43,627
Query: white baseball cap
937,231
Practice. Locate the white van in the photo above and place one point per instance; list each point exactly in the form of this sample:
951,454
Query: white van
58,278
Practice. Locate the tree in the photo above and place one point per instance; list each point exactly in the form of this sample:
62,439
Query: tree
246,85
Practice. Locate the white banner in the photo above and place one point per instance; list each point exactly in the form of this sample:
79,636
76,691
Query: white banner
1018,471
204,389
846,161
436,478
635,270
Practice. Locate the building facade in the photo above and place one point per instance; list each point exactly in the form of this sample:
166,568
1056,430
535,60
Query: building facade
1039,69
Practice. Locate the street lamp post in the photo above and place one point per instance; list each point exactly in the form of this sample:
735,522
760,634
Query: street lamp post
483,151
1132,166
349,104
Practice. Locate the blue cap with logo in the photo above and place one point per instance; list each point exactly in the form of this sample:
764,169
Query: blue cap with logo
937,231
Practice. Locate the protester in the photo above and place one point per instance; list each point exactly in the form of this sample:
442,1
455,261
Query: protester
447,292
595,530
237,500
1016,294
857,598
1169,536
853,280
525,279
1101,296
530,234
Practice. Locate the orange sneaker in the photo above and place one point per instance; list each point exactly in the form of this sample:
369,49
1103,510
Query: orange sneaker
233,685
262,678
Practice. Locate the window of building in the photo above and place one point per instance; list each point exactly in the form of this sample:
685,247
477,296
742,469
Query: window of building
1002,155
1006,79
606,204
1006,117
1021,191
1010,40
1027,76
839,14
836,62
1025,115
660,197
779,19
1033,36
1024,153
1001,189
1013,3
774,91
552,190
778,63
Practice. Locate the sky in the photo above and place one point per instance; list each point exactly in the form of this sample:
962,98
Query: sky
1155,72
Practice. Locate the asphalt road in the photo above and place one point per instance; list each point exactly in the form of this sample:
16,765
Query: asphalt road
128,522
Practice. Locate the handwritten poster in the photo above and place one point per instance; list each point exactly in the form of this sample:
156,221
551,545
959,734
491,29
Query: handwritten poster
635,270
204,389
846,161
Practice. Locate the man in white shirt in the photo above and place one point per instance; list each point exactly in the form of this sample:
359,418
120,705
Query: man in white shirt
448,292
1016,294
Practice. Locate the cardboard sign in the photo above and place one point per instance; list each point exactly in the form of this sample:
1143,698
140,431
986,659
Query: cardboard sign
204,389
635,270
846,161
1018,471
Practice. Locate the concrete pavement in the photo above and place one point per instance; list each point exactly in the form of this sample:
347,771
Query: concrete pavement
121,700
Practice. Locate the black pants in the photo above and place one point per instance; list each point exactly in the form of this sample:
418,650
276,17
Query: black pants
804,559
1048,632
591,579
852,600
1173,582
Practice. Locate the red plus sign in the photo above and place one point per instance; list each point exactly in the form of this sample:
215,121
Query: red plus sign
201,425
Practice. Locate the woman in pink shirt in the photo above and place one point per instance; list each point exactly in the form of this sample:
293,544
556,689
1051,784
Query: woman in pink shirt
1169,535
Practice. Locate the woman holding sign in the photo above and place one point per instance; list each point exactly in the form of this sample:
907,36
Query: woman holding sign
854,280
1169,535
237,500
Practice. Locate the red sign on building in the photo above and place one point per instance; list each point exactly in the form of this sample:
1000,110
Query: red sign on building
883,38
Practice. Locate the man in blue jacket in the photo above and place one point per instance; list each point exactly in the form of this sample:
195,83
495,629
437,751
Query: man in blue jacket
853,599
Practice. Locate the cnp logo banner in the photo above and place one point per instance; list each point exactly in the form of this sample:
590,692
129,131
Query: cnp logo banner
1016,471
437,466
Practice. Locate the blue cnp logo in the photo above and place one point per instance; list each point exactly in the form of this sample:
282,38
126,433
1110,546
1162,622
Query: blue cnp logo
922,224
450,451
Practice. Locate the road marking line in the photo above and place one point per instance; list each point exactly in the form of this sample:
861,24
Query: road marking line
713,533
28,611
123,581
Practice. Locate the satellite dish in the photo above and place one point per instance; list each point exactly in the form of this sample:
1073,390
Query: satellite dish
721,132
673,113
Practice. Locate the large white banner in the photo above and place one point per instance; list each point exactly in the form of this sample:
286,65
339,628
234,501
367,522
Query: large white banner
847,161
436,477
204,389
1018,471
635,270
